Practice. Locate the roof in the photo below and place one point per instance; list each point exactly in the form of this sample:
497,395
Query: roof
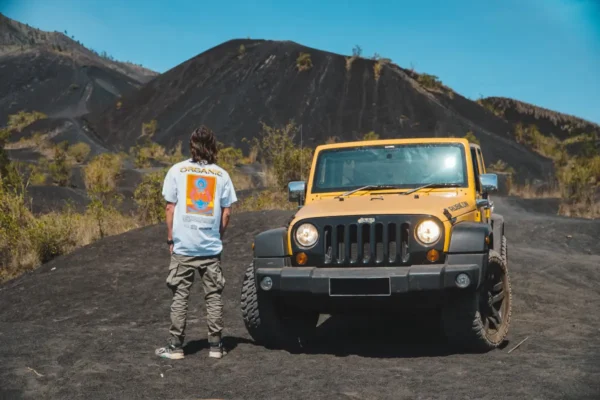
398,141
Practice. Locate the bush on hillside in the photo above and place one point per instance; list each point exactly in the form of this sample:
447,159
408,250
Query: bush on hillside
371,136
101,174
23,119
60,166
79,151
277,150
149,199
429,81
470,136
304,62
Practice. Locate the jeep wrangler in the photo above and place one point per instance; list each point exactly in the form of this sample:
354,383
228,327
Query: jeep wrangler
385,224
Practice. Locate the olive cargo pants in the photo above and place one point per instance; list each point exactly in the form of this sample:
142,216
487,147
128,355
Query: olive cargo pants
182,272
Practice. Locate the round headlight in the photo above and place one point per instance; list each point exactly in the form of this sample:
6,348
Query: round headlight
428,232
307,235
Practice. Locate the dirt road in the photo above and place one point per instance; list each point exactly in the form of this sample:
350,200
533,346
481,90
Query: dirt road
86,326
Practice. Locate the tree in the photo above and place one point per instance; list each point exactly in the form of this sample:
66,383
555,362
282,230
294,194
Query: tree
356,51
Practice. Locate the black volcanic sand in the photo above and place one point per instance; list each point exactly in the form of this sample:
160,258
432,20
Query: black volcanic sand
86,326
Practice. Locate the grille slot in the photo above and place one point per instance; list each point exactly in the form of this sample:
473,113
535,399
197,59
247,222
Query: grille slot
366,244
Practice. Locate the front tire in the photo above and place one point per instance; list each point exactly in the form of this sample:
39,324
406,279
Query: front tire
479,321
269,323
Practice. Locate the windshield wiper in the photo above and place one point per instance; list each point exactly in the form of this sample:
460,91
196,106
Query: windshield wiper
433,185
369,187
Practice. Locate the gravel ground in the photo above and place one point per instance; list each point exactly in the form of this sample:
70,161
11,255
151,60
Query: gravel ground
86,325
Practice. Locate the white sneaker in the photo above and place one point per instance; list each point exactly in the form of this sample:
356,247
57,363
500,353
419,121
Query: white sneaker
217,351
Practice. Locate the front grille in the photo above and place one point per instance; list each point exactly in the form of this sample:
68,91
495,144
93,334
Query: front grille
372,240
376,243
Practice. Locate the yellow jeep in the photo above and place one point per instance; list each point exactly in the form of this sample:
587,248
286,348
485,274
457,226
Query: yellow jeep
385,224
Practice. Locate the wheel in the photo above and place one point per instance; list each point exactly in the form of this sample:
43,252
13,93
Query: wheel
269,323
479,320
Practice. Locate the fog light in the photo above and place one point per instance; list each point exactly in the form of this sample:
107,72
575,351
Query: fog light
433,255
463,280
301,258
266,283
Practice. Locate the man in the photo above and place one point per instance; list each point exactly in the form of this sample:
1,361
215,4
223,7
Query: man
199,197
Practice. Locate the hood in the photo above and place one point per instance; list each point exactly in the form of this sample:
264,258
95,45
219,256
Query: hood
433,203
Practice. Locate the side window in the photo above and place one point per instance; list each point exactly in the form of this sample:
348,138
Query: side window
476,170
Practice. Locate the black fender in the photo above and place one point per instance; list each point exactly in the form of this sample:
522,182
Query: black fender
271,250
497,231
469,237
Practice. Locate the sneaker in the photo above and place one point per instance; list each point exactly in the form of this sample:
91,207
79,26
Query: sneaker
216,350
171,352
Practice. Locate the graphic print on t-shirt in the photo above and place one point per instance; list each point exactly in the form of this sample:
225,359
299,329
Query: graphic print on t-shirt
200,194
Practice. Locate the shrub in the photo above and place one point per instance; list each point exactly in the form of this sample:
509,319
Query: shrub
501,166
149,129
304,62
101,174
22,119
265,200
60,166
429,81
144,154
470,136
578,184
149,199
371,136
229,157
79,151
277,150
241,51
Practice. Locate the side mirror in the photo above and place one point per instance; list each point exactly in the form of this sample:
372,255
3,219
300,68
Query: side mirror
296,191
489,182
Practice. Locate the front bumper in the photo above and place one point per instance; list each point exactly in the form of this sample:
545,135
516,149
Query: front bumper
372,281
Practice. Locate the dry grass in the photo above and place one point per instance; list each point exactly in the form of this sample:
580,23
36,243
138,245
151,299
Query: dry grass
269,199
530,191
28,241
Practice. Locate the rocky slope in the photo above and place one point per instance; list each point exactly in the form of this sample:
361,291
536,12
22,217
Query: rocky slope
234,85
54,74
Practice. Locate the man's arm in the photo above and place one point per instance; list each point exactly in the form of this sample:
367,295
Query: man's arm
170,211
225,215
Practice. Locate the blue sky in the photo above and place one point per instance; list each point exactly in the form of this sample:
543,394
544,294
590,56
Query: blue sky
546,52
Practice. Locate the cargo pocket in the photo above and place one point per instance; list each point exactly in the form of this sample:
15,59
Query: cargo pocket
172,278
214,276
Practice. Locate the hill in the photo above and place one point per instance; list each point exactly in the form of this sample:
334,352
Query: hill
54,74
86,325
233,86
561,125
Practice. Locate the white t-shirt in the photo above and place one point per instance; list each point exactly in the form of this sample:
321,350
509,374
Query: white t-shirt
199,191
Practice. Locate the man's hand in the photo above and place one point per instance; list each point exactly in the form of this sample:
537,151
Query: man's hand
169,212
225,215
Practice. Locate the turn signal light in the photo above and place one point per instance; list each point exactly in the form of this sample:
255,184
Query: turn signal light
433,255
301,258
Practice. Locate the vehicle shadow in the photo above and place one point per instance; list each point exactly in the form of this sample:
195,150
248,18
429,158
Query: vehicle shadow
229,343
381,336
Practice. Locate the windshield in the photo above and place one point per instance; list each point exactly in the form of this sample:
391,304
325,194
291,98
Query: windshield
404,166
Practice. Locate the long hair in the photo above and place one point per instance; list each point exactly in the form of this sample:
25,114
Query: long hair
203,145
